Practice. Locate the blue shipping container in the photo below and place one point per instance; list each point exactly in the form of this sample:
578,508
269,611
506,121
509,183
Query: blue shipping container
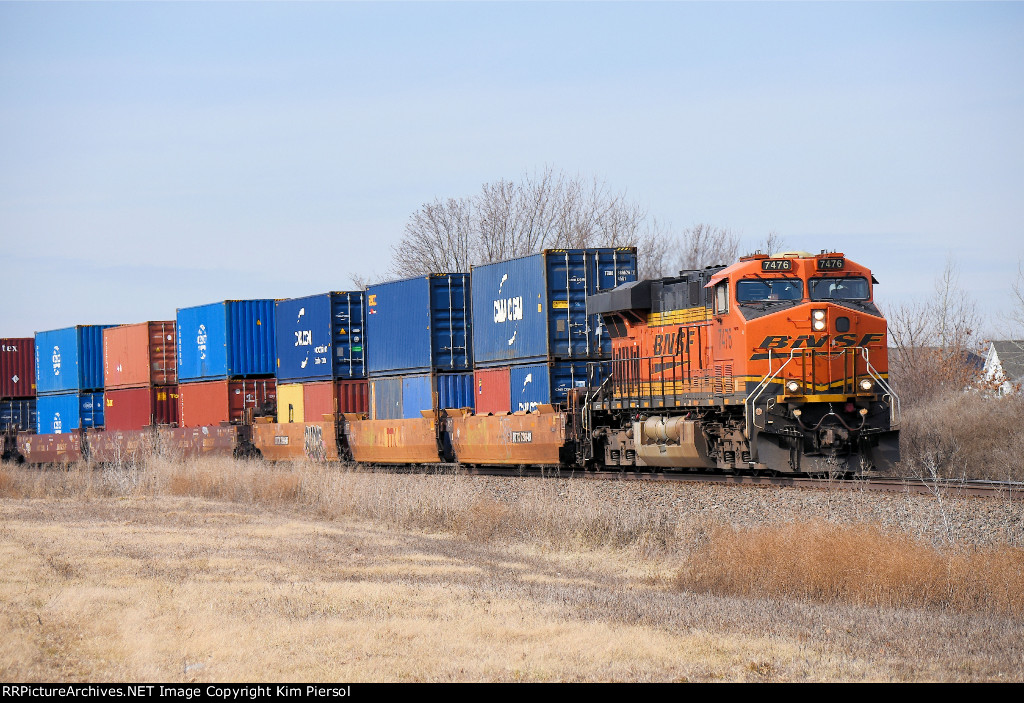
57,414
320,337
231,339
18,414
386,398
405,397
531,385
69,359
420,325
534,308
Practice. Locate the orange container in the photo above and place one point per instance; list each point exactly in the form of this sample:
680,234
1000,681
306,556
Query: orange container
144,354
330,397
214,402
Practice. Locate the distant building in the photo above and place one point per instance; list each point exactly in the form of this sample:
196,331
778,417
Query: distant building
1004,365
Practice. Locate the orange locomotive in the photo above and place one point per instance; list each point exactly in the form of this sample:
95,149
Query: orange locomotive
774,363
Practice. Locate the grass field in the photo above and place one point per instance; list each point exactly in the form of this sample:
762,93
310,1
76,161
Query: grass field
223,571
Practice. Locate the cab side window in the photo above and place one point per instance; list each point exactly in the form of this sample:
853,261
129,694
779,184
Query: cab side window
722,298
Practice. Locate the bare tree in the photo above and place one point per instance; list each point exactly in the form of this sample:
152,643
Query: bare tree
506,219
549,209
705,245
440,236
773,243
935,343
1018,297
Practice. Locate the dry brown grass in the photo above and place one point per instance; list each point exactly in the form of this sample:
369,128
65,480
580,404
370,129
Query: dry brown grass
856,564
189,589
219,569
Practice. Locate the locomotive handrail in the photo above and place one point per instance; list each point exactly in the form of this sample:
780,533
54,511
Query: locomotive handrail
752,398
895,407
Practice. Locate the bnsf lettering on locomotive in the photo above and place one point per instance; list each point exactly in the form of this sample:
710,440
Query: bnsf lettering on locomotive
508,309
809,341
783,341
672,343
521,437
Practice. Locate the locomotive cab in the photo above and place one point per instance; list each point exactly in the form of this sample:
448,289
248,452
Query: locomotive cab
773,363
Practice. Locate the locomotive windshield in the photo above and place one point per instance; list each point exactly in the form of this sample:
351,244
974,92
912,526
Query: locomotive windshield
839,289
762,289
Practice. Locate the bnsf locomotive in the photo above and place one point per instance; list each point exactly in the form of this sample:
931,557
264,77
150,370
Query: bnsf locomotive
770,364
773,363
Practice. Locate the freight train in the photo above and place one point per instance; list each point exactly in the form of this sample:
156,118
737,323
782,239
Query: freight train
772,364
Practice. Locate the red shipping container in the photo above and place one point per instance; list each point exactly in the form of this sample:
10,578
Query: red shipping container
327,397
140,355
135,408
353,396
17,367
214,402
492,391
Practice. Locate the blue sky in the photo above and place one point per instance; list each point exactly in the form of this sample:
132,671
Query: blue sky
156,156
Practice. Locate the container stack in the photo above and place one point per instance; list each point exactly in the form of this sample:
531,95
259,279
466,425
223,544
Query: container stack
532,336
226,357
421,357
17,384
69,379
321,357
140,375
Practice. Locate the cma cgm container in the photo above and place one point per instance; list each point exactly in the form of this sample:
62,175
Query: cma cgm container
534,308
64,412
135,408
406,397
531,385
231,339
420,325
144,354
17,367
320,337
69,359
18,414
214,402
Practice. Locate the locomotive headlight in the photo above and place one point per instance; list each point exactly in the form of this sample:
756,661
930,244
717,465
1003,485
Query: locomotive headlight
866,384
792,386
818,320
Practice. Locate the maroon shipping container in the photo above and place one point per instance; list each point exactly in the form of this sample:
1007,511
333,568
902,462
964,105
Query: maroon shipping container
327,397
144,354
492,391
214,402
135,408
17,367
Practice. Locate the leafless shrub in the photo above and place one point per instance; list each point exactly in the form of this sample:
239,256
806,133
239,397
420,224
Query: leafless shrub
855,564
964,435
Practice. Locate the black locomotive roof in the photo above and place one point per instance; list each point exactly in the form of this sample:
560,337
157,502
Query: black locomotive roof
673,293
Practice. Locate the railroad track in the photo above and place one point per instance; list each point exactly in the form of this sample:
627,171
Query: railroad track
991,489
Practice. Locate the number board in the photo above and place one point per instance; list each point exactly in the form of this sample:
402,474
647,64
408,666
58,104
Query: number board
776,264
831,264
